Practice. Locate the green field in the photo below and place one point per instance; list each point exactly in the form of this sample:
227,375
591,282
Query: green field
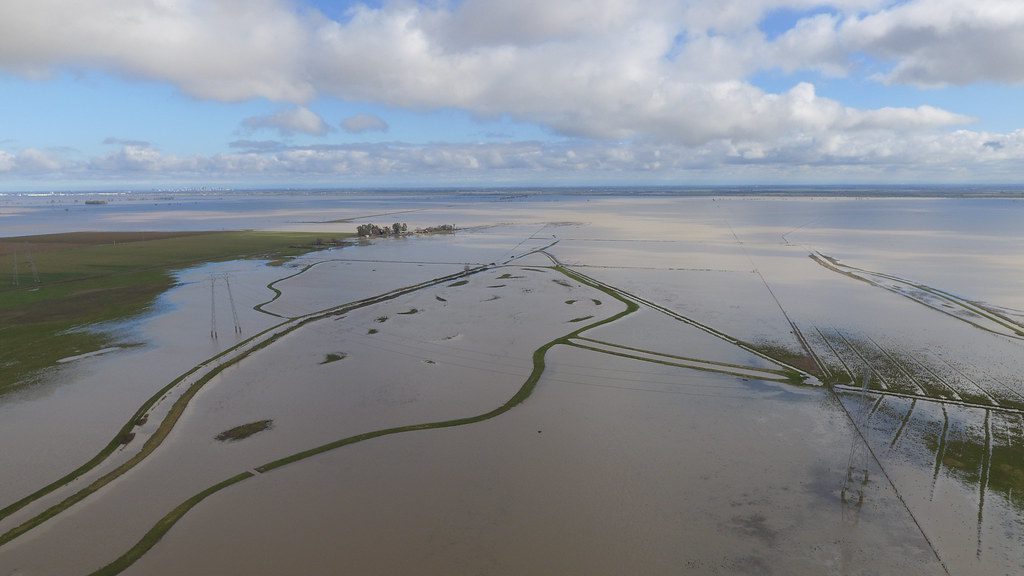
68,281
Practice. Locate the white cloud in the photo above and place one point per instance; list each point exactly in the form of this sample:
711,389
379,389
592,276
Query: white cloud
638,75
7,162
361,123
873,154
133,158
222,49
595,69
35,160
939,42
298,119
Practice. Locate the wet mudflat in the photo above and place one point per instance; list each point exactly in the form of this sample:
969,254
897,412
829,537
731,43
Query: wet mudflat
708,385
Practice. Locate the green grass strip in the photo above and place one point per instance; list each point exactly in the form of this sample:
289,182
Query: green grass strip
785,373
773,378
160,528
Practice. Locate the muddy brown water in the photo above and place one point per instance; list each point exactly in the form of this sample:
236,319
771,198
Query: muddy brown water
614,464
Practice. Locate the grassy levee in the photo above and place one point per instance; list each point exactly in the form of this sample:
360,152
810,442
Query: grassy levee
1015,329
161,527
277,293
799,376
167,522
705,365
117,441
782,372
91,278
178,408
678,365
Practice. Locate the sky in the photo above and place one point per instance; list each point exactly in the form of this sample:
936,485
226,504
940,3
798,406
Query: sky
290,93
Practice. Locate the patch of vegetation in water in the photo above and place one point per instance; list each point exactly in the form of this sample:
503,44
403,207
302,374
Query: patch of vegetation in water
570,302
409,311
581,318
508,276
497,286
371,331
439,299
1006,474
333,357
381,319
459,283
76,279
595,301
561,282
244,431
798,360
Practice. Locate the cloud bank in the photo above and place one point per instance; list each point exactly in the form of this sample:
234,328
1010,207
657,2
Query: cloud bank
856,157
616,74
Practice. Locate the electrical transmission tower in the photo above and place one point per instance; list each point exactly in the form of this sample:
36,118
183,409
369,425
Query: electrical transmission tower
857,465
32,264
213,307
213,304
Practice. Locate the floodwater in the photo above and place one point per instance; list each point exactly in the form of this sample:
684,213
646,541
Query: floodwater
798,386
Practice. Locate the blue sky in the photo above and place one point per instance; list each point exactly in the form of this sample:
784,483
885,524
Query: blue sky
118,93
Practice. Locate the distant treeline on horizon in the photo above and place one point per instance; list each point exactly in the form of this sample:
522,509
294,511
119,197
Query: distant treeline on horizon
526,192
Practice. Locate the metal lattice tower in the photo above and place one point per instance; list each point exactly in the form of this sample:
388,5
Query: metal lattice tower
857,464
231,299
213,307
32,264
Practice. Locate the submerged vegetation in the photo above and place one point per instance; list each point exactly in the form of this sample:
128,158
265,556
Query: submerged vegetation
333,357
244,431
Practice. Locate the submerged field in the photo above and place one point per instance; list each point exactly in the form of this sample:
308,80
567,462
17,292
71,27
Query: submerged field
601,386
56,285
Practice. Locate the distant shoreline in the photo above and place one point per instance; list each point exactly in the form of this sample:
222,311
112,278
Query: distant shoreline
527,192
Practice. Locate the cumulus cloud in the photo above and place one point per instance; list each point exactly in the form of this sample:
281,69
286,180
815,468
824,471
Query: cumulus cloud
361,123
867,155
298,119
608,69
7,162
939,42
647,85
35,160
223,49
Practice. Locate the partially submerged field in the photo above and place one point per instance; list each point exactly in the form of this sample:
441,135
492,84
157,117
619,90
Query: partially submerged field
700,385
56,288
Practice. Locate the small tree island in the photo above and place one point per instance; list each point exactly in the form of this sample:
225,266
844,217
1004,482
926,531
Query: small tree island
400,229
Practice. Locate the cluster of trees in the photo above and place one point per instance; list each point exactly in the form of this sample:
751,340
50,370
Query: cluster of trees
399,228
373,230
433,229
